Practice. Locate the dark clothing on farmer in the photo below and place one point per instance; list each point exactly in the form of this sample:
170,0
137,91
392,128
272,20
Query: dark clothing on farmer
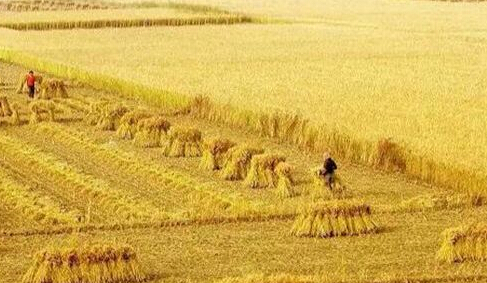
32,91
328,172
330,166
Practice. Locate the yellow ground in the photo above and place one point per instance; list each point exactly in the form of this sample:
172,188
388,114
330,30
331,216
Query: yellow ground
201,253
415,73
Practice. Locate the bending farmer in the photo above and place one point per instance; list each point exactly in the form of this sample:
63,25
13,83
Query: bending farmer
328,170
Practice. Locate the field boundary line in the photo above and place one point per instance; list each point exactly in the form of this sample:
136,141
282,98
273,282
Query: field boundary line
285,127
216,220
283,277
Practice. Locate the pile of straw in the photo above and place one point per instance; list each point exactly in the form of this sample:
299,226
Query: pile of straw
465,243
15,117
97,110
214,151
237,161
53,88
5,109
261,173
129,121
320,189
285,180
42,110
182,143
110,118
150,131
102,264
333,219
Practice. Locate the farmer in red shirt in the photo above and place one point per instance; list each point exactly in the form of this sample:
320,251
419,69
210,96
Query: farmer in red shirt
31,81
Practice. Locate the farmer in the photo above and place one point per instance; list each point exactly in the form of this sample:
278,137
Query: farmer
328,170
31,82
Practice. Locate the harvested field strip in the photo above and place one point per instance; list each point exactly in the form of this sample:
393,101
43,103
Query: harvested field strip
294,130
166,224
30,204
96,24
151,181
62,180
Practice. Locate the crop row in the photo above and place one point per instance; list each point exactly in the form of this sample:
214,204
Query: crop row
39,208
123,23
151,180
59,179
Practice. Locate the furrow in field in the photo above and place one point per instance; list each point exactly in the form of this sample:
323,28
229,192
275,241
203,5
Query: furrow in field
31,205
79,191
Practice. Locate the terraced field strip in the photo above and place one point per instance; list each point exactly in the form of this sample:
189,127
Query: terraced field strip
122,23
92,197
173,191
28,203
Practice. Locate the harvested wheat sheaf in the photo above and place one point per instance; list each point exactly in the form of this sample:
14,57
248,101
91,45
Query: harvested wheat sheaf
129,121
320,189
465,243
285,180
110,118
97,110
53,88
181,142
333,219
237,161
214,151
261,173
15,117
102,264
5,109
42,110
150,131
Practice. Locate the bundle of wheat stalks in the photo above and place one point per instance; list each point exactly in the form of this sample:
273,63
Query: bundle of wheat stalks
42,110
150,131
261,173
129,121
237,161
102,264
15,117
214,151
320,189
181,142
5,109
334,218
109,119
285,180
53,88
97,109
465,243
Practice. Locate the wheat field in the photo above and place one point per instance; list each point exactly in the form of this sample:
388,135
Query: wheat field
180,141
